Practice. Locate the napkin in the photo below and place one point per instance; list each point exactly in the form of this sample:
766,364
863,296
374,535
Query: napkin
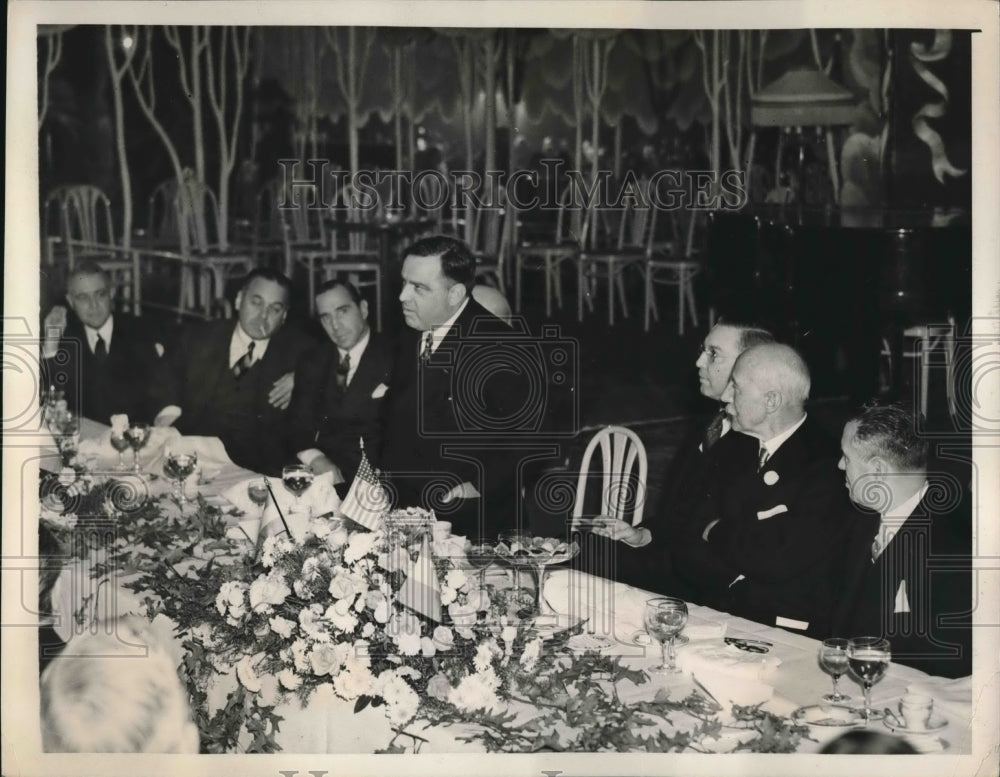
730,689
320,498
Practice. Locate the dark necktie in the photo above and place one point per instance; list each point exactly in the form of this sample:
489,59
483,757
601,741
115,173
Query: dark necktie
342,371
100,349
425,354
714,431
762,459
241,367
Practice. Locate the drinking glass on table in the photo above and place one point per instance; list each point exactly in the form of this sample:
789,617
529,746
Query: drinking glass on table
297,479
257,491
480,555
178,467
120,443
833,659
664,618
137,436
868,659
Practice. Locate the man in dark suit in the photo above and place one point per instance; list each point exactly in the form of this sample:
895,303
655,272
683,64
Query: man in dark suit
691,474
771,531
908,568
236,382
451,403
106,363
339,389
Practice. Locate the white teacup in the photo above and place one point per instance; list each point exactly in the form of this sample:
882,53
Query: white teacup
916,710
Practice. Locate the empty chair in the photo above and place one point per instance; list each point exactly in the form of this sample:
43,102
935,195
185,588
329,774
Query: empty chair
673,264
547,256
623,474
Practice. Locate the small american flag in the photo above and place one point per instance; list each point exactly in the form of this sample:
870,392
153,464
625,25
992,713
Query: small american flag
366,501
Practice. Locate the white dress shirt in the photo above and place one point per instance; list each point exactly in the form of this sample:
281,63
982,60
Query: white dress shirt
894,518
240,343
439,332
772,445
107,328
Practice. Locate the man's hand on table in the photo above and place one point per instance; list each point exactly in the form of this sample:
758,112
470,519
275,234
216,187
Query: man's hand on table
321,465
619,530
281,391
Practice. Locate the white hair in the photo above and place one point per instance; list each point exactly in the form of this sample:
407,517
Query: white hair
115,693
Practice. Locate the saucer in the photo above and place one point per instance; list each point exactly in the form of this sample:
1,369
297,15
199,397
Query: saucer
897,726
828,716
642,639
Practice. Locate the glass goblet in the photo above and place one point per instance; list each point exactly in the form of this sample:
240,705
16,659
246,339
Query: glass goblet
120,443
257,491
664,618
178,467
137,436
297,479
480,556
868,659
833,660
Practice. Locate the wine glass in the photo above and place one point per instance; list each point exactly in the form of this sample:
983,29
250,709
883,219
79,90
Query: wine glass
833,659
120,443
664,618
257,491
50,399
868,659
177,468
297,479
137,436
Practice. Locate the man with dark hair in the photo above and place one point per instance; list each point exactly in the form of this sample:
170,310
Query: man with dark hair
339,389
447,407
908,572
235,382
106,362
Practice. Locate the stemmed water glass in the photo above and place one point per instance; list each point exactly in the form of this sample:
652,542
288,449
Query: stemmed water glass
868,659
120,443
257,491
297,479
833,659
177,468
664,618
137,436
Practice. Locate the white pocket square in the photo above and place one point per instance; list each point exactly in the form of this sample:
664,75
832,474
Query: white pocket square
776,510
380,391
902,603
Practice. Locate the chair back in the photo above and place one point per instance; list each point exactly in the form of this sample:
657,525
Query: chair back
87,216
431,196
302,216
623,481
269,223
161,222
197,215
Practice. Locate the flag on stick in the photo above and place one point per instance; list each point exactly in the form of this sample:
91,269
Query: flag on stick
366,501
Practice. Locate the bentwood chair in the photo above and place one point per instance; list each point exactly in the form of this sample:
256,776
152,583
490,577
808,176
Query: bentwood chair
89,232
490,241
623,476
547,257
205,253
673,264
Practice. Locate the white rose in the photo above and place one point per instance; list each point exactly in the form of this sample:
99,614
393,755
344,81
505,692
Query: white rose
455,578
444,638
323,659
343,586
427,647
359,545
367,630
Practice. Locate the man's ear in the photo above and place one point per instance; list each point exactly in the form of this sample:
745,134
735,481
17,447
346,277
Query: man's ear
879,465
239,299
456,294
772,400
364,309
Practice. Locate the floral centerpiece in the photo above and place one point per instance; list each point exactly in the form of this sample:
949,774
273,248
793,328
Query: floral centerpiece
273,622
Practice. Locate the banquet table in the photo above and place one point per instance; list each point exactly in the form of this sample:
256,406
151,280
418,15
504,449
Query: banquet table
611,616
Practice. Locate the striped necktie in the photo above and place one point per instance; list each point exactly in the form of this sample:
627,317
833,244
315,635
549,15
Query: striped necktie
425,354
713,433
245,362
343,370
763,457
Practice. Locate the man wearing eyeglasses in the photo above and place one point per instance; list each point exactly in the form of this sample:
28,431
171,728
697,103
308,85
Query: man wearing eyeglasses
689,477
235,382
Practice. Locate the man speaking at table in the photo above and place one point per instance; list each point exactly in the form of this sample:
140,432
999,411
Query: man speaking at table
773,530
909,567
445,423
235,382
339,389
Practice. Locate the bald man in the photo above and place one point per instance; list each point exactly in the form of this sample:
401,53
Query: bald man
772,531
